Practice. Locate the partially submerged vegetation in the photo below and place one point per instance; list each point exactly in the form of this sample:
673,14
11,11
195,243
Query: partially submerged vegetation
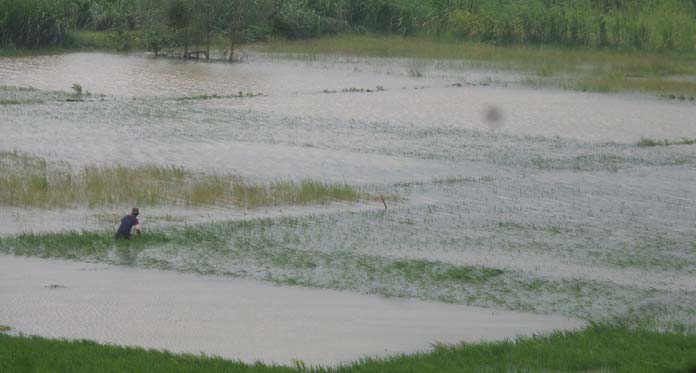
383,253
647,142
540,58
34,182
580,69
216,96
597,348
10,96
251,243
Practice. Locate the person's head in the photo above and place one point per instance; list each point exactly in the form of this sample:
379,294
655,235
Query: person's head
135,211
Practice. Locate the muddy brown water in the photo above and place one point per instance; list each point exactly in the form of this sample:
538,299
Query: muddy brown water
237,319
293,87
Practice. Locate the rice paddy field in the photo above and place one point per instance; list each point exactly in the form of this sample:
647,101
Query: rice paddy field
411,179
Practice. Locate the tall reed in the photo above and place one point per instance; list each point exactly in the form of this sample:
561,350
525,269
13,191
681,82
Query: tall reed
32,23
28,181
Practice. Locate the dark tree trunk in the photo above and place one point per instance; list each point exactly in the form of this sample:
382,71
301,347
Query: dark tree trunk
231,58
207,46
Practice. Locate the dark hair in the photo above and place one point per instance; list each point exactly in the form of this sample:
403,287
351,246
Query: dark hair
135,211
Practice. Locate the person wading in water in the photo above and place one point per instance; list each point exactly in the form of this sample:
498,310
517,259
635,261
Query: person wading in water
127,223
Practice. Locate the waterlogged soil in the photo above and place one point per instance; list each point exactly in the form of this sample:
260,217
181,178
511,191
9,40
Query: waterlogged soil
547,189
237,319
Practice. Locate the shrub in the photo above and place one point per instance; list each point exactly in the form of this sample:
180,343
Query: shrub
32,23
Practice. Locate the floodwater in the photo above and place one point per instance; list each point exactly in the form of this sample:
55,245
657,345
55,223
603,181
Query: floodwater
555,194
417,129
237,319
294,88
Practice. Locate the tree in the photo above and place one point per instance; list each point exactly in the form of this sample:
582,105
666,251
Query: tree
152,20
233,21
236,15
205,11
178,19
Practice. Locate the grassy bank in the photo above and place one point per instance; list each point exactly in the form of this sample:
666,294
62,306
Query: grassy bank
589,69
598,348
29,181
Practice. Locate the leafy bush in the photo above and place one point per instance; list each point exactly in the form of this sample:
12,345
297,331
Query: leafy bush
32,23
296,21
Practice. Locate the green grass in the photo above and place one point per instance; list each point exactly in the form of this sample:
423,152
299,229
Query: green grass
621,82
593,70
29,181
535,57
90,40
596,348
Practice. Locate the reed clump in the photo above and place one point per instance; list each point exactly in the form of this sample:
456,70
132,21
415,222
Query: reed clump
32,23
29,181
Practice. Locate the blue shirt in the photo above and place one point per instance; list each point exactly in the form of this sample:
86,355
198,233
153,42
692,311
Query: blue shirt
127,224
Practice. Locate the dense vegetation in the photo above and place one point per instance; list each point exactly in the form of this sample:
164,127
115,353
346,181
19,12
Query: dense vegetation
594,349
639,24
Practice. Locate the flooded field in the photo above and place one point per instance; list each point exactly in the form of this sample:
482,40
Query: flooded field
510,198
237,319
415,93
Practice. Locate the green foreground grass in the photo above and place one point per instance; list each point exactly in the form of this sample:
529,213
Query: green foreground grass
30,181
590,69
597,349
